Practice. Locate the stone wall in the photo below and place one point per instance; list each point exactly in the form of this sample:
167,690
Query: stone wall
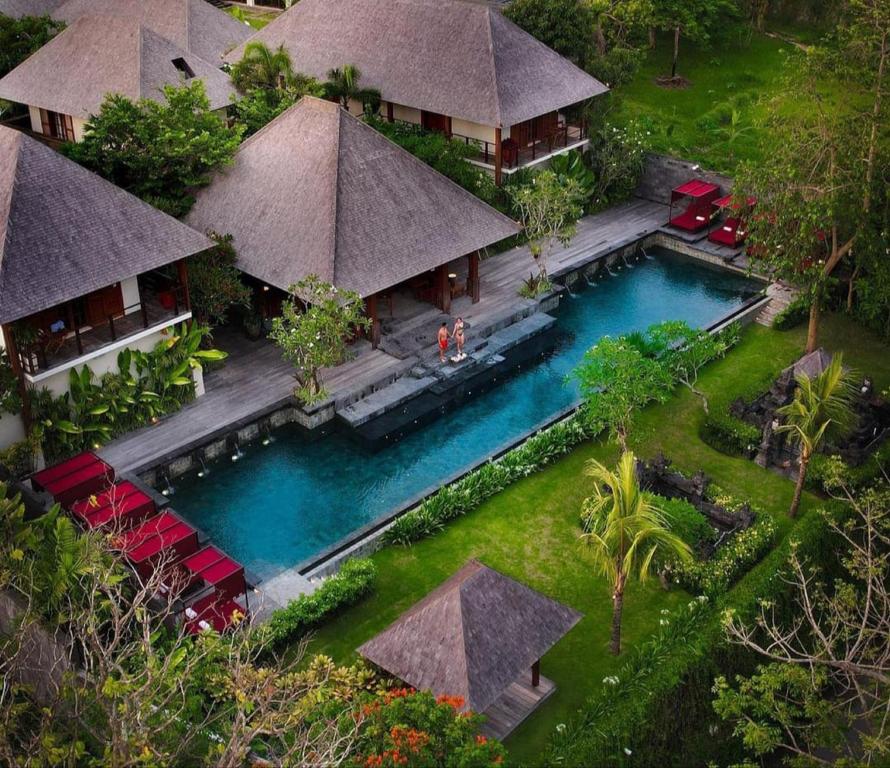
663,173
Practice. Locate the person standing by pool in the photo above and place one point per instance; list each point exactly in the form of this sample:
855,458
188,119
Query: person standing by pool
443,341
458,336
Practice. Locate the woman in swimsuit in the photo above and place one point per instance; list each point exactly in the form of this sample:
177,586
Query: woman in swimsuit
458,336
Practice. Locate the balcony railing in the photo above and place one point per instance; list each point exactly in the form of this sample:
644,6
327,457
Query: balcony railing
53,349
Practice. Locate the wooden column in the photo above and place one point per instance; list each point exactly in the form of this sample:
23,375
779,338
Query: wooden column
371,311
473,287
183,274
15,364
498,157
443,288
390,116
536,674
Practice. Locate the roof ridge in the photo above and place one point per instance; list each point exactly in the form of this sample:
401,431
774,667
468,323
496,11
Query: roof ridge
335,245
494,69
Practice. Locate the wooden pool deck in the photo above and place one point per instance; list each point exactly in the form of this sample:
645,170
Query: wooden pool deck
515,704
255,380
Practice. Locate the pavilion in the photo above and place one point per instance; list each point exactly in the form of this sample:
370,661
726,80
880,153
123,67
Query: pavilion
317,191
479,636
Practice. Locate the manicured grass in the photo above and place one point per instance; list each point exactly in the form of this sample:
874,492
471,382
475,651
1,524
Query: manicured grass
530,531
256,17
741,72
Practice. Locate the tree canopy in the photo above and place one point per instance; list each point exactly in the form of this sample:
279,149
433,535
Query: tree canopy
19,38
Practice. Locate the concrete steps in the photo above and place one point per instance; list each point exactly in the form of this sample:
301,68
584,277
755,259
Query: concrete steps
780,296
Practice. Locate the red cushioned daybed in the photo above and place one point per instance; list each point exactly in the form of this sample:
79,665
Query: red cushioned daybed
212,612
732,231
122,505
699,194
216,569
83,479
164,536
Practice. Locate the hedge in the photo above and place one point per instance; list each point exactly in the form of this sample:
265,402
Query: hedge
354,580
662,696
727,434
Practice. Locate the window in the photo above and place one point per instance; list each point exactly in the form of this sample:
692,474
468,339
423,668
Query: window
56,125
183,66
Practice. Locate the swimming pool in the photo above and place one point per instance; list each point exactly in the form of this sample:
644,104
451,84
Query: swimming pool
286,502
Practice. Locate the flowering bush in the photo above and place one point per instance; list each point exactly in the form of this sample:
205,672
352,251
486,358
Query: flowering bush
403,727
616,156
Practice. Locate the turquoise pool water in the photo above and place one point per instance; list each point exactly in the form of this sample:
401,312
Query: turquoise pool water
286,502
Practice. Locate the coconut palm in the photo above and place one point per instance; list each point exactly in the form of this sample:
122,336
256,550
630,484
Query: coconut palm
343,86
625,531
822,404
264,68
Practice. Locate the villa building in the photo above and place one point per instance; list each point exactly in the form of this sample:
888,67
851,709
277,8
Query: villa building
193,25
67,80
452,66
319,192
86,269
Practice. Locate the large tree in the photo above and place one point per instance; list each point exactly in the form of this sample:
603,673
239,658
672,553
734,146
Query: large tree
215,284
695,19
821,403
626,532
159,151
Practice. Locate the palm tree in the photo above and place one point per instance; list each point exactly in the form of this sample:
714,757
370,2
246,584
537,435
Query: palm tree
261,67
625,531
821,404
343,86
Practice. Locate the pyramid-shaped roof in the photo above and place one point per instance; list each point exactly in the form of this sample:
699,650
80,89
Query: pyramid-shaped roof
471,637
457,58
65,231
319,192
193,25
99,55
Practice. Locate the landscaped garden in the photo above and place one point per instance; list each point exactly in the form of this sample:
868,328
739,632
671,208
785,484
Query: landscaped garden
531,530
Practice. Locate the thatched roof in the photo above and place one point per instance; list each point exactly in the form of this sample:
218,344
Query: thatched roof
319,192
98,55
811,364
462,59
471,637
194,25
18,8
65,231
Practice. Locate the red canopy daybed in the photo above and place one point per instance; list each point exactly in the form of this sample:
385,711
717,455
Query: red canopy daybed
216,569
122,505
77,478
212,612
700,194
733,231
164,536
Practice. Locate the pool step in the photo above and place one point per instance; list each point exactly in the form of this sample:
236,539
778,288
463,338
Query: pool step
438,379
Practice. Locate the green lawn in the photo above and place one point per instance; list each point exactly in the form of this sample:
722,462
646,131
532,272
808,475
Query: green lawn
530,531
740,73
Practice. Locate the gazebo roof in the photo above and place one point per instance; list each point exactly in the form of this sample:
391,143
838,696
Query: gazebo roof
812,364
457,58
317,191
695,188
65,231
472,636
194,25
113,54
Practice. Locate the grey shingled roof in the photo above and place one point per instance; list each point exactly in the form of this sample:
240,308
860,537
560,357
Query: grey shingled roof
471,637
193,25
65,231
457,58
98,55
18,8
319,192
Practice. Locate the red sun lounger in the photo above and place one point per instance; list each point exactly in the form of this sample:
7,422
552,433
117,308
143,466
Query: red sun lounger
123,506
171,545
732,231
216,569
128,541
86,481
212,613
40,479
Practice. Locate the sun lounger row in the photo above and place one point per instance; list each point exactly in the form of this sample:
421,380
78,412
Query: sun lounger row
77,478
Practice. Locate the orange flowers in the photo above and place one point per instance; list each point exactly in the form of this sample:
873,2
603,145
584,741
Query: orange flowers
455,702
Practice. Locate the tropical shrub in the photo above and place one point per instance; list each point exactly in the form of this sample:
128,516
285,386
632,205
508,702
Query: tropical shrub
793,315
616,156
448,156
571,166
469,492
92,412
10,397
353,581
732,559
19,458
727,434
687,522
403,727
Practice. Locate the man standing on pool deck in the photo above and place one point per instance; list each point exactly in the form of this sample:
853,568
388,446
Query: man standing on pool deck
443,341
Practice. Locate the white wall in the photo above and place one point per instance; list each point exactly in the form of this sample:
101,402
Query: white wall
12,430
130,292
77,123
473,130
